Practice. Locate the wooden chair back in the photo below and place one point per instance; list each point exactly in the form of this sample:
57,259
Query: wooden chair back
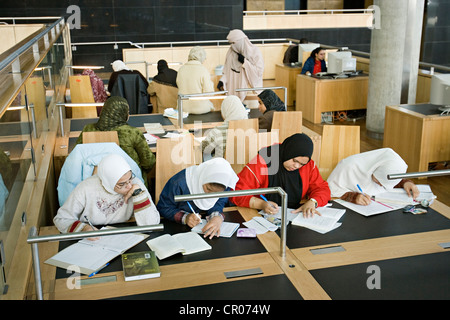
172,156
338,142
287,123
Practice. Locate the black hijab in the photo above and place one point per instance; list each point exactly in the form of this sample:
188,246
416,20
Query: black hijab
166,75
271,101
297,145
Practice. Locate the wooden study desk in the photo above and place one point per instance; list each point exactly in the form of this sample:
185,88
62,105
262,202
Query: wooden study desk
418,133
315,95
393,241
286,76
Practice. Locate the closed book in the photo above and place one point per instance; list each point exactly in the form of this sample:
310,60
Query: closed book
140,265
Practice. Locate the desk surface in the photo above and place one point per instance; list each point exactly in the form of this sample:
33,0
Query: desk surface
393,241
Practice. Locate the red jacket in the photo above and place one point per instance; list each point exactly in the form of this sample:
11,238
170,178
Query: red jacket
254,176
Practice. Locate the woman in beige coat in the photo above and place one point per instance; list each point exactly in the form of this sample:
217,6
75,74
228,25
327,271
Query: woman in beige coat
193,77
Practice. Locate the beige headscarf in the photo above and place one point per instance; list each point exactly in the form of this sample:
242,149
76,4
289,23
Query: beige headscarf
237,75
233,109
197,53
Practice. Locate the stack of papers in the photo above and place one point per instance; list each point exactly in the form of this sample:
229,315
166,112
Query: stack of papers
173,113
154,128
400,197
151,139
327,221
227,229
260,225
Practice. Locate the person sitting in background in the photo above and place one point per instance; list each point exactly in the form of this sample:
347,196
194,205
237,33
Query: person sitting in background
193,77
369,170
114,117
98,87
215,175
216,138
269,102
120,67
111,196
315,63
287,165
164,87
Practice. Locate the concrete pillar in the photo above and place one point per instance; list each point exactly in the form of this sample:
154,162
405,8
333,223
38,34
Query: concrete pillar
394,58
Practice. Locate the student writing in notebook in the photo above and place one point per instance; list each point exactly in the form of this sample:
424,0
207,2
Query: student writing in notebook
369,170
111,196
287,165
214,175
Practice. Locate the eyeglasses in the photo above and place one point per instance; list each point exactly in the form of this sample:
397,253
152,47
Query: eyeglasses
123,184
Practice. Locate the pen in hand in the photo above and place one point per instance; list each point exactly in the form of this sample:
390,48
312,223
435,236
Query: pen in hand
265,199
93,228
192,209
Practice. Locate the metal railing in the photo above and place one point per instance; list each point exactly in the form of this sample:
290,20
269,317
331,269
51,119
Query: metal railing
409,175
331,11
34,240
250,192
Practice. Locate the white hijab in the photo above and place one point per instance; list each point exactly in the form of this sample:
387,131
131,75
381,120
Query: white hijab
359,168
119,65
110,169
233,109
216,170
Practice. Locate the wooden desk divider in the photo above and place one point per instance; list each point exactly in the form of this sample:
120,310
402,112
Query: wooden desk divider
287,123
338,142
172,156
81,92
238,138
100,136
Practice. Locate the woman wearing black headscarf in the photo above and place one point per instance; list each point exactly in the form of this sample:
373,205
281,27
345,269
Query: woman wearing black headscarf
164,87
269,102
289,166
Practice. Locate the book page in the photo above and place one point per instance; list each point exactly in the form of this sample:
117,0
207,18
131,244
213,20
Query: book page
191,242
372,209
118,243
165,246
87,258
227,229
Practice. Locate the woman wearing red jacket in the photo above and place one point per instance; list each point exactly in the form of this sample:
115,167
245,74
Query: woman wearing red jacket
287,165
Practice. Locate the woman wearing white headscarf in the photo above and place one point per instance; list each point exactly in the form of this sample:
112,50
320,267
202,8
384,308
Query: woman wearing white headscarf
119,67
244,65
216,138
369,170
110,196
193,77
214,175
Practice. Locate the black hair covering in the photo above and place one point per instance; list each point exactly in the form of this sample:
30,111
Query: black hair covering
271,101
165,75
297,145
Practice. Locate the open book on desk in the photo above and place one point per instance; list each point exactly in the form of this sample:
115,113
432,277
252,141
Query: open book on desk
91,256
186,243
327,221
227,229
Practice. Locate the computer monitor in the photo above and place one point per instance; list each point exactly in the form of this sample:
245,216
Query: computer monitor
440,90
341,61
304,51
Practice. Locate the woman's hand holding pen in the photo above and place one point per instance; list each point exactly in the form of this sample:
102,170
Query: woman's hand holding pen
270,207
193,219
363,199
